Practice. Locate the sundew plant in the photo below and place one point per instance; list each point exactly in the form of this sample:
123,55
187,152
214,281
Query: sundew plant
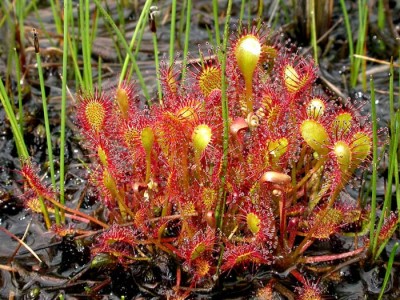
169,183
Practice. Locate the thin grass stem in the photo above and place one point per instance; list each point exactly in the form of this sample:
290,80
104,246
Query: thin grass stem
120,11
18,138
94,24
313,31
6,14
172,33
115,42
381,15
42,26
216,23
129,47
19,7
388,270
360,46
182,23
394,143
86,44
46,122
348,31
187,38
139,41
372,215
260,10
396,164
225,116
99,66
241,14
73,48
391,96
20,106
67,14
71,42
56,16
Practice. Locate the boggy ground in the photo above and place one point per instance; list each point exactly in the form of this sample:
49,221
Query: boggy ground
65,266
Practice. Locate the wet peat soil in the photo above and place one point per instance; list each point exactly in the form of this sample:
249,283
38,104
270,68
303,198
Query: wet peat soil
65,261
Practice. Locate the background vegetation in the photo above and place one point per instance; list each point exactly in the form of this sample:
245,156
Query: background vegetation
51,50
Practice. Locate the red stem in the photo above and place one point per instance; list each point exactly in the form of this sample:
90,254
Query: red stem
323,258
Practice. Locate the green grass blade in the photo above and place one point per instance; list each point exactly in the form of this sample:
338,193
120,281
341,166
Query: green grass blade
99,71
396,165
393,150
182,23
86,44
225,116
391,96
18,138
56,16
42,26
260,10
381,15
67,13
172,33
362,30
373,235
46,122
187,38
216,23
139,41
241,14
348,31
313,31
121,38
20,11
73,47
20,106
388,270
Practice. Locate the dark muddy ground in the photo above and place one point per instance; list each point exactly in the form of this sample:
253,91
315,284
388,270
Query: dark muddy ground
66,260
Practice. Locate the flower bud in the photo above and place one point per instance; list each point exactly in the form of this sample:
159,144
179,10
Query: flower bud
315,136
247,53
315,108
